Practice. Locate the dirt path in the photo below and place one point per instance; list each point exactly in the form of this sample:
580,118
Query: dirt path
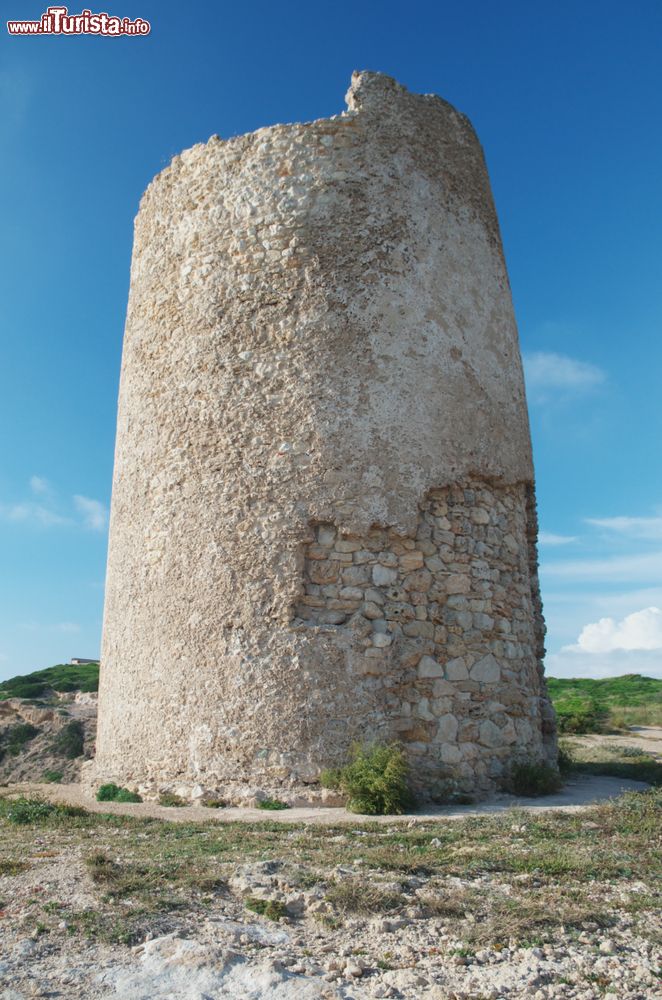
578,793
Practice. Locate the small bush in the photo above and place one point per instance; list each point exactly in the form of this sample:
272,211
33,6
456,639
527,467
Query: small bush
213,803
53,777
533,779
170,799
70,740
273,804
375,780
272,909
114,793
124,795
25,811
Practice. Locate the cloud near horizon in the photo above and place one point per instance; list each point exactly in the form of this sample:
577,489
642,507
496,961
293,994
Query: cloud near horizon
633,527
549,375
47,512
549,538
94,513
641,630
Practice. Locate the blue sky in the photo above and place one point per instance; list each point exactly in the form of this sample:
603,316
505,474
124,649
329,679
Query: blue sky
565,98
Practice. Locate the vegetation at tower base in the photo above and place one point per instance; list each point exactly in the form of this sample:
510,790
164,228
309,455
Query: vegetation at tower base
374,780
111,792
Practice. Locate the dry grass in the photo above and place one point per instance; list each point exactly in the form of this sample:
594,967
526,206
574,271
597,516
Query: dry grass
358,896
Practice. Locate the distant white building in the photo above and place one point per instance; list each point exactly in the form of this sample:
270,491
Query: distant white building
79,661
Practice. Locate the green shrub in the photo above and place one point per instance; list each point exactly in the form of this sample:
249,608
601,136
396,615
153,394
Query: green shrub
170,799
213,803
531,779
53,777
114,793
70,740
124,795
374,780
273,804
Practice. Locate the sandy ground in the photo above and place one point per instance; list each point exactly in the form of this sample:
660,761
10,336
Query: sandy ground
646,738
579,792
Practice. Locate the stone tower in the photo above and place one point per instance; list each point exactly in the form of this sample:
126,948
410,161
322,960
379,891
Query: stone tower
323,521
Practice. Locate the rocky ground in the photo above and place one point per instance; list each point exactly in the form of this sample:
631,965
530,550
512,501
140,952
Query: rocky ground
513,905
109,900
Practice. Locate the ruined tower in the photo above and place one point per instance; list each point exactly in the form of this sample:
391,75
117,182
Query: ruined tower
323,521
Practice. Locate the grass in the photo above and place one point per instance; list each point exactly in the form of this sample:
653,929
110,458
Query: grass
272,804
61,677
358,896
547,871
53,777
585,705
374,780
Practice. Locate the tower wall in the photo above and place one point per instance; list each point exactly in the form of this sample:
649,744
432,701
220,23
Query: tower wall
323,525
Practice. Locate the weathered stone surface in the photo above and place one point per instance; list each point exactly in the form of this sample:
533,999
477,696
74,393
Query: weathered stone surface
447,730
428,667
456,669
323,482
486,670
490,734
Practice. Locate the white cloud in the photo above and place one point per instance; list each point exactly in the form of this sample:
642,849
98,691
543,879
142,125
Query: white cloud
614,664
643,568
550,375
95,514
640,630
92,514
32,512
39,485
633,527
548,538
